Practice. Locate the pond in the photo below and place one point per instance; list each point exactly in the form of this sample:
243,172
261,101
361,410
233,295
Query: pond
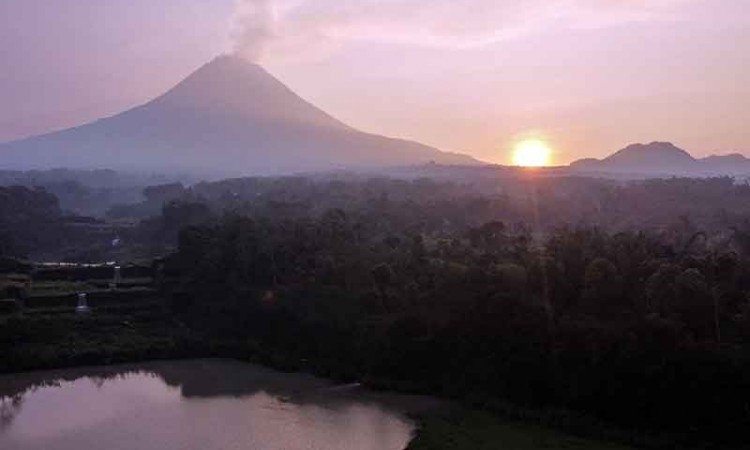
201,405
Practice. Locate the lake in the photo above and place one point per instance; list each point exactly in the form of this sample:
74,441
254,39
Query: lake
201,405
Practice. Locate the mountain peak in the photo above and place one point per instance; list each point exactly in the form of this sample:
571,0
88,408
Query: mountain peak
229,117
228,67
230,59
230,86
664,158
655,152
653,158
730,158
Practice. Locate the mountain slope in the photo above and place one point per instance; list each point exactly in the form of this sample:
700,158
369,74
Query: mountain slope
656,157
230,117
731,164
663,158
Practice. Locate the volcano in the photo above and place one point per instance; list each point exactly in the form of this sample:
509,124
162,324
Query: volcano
230,117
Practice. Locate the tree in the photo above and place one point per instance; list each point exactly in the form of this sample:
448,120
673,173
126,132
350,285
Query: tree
602,291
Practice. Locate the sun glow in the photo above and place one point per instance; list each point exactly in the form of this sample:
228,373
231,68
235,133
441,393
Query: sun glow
531,153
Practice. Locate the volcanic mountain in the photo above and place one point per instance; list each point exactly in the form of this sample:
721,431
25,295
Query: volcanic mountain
663,158
230,117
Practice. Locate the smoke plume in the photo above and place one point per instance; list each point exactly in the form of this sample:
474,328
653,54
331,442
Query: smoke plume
293,29
252,28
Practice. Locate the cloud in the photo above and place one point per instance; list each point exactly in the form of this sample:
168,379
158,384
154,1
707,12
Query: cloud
284,29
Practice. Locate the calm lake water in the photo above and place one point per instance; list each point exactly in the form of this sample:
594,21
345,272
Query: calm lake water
201,405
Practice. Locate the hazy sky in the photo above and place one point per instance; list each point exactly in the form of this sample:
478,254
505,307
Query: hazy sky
475,76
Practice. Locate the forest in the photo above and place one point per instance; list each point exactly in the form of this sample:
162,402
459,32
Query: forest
622,326
627,302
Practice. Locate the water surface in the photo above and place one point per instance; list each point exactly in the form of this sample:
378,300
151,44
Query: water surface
201,405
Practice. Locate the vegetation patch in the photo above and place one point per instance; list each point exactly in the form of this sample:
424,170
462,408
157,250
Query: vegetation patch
477,430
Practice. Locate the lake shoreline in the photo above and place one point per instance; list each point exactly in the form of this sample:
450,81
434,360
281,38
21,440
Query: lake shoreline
568,423
157,336
436,421
199,404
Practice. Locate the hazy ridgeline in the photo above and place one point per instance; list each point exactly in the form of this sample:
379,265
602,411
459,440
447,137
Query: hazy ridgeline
434,201
88,192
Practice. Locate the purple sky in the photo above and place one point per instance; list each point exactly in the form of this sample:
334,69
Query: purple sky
475,76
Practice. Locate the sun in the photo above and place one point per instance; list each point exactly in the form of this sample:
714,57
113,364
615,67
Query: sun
531,153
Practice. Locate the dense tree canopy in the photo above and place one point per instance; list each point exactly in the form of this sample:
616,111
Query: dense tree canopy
621,325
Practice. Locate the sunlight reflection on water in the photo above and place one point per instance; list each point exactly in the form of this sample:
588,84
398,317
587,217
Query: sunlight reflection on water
203,404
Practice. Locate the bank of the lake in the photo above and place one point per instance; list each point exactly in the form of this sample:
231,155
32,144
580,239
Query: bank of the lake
197,405
250,404
116,337
34,343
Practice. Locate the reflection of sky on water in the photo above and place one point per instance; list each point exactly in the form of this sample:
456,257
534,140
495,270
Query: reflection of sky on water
197,405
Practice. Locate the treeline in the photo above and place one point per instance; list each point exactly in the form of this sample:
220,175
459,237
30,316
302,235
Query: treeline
716,205
454,199
29,219
628,326
33,226
87,192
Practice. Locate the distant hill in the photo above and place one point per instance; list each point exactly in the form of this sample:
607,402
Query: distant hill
663,158
230,117
733,163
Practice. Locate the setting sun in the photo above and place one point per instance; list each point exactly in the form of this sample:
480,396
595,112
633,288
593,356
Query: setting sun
531,153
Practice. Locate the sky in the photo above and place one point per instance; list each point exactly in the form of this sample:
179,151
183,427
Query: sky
473,76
